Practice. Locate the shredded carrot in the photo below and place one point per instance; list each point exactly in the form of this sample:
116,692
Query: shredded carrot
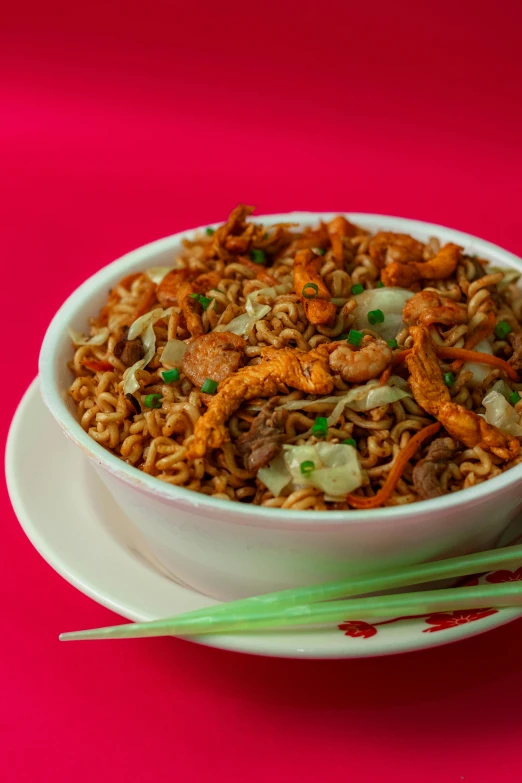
476,356
385,377
402,459
481,333
97,366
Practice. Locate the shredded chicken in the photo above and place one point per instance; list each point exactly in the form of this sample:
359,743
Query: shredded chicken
515,340
387,247
439,267
432,394
279,369
311,288
428,307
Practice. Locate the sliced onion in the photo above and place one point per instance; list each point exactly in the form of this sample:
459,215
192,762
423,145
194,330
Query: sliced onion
391,301
98,339
143,327
501,414
174,352
502,388
256,311
480,371
362,398
158,273
275,476
244,323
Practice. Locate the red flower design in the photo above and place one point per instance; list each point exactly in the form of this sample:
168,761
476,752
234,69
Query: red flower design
358,628
443,620
505,576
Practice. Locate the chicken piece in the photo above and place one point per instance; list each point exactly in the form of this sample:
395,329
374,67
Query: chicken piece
429,307
386,247
319,309
215,355
439,267
311,237
427,471
190,307
263,441
358,365
430,392
338,229
168,289
280,367
515,340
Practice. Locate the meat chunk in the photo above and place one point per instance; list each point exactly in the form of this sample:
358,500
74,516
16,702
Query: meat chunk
311,288
215,355
280,367
263,441
426,472
515,339
129,351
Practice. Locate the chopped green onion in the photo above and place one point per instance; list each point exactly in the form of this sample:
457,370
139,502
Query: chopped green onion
320,427
319,251
204,301
375,317
311,287
502,329
169,376
209,231
379,284
357,289
257,256
392,344
514,398
209,386
307,467
349,442
152,400
449,378
355,337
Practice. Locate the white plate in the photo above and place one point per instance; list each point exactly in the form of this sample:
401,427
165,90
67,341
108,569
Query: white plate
75,525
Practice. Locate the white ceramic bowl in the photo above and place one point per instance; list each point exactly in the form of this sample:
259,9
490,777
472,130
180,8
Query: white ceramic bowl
228,550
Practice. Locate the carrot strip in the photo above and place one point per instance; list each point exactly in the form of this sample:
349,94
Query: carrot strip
476,356
97,366
385,377
356,501
481,333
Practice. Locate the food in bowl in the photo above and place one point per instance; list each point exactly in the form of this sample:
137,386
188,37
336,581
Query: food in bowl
319,367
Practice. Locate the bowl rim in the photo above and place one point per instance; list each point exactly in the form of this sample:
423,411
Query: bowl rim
54,397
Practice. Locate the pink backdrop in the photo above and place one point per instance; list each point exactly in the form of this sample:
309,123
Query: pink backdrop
120,125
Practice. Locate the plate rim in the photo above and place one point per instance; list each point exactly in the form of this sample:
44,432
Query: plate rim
242,643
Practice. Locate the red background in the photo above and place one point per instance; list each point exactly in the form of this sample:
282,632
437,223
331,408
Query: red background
120,125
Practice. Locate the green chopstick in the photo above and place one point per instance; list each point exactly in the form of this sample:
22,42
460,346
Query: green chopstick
403,604
370,583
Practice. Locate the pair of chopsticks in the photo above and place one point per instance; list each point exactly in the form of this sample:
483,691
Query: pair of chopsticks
316,605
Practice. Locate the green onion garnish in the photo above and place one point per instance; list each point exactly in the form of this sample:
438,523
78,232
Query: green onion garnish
514,398
320,427
355,337
449,378
257,256
204,301
357,289
502,329
349,442
152,400
307,467
312,290
379,284
392,344
209,386
209,231
319,251
375,317
169,376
